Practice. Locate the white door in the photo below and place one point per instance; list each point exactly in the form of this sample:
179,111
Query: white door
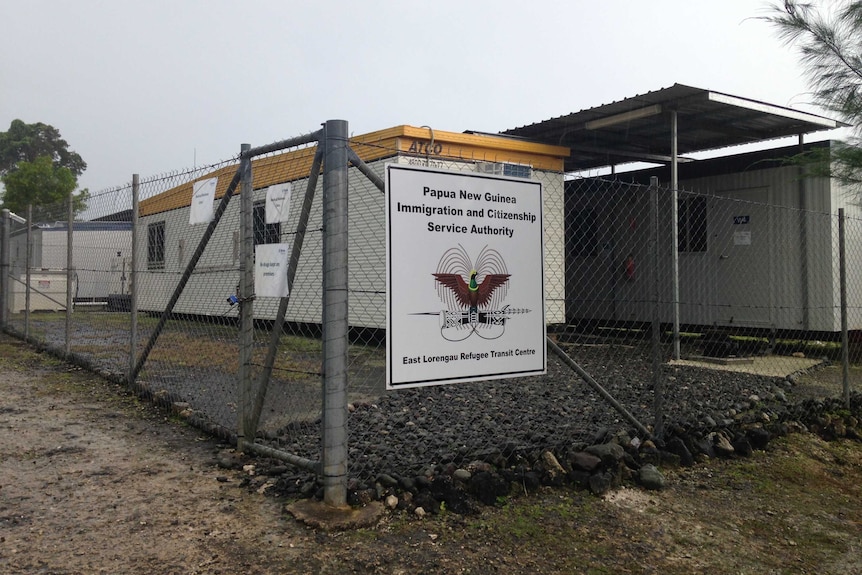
743,252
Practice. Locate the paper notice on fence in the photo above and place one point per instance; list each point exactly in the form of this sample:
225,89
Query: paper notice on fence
270,270
277,203
203,194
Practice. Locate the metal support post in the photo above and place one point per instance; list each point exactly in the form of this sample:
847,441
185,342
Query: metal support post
658,381
845,340
133,281
70,275
804,243
5,257
245,432
335,322
28,272
674,185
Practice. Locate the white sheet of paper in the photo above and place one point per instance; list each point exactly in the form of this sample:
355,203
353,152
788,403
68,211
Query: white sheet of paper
742,238
203,194
277,203
270,270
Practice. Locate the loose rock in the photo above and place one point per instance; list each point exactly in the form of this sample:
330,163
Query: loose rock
650,477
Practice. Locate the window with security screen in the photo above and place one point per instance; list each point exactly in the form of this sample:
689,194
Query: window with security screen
691,222
156,246
505,169
584,233
264,233
517,170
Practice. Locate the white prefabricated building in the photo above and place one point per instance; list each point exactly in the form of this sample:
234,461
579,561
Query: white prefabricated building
767,257
169,240
101,258
766,253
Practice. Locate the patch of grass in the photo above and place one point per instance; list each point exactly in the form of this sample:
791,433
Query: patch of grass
299,343
549,521
193,344
803,497
178,349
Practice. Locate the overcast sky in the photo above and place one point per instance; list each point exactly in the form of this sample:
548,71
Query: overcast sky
154,86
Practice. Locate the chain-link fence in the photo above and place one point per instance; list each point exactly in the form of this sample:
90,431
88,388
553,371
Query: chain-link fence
665,309
734,293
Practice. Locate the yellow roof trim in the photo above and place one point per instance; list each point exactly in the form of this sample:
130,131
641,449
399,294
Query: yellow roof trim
398,140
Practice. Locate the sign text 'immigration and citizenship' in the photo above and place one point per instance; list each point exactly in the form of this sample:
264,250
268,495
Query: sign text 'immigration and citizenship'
492,218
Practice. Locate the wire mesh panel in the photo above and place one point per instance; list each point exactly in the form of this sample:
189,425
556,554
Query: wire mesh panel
409,431
666,310
187,278
42,285
754,292
291,407
614,294
101,264
16,280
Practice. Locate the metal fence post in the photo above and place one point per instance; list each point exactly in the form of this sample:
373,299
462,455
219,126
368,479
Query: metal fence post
674,224
335,320
246,305
28,271
133,280
70,274
845,340
658,383
5,257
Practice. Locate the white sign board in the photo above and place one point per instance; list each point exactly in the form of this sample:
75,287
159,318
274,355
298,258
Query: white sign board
465,277
277,203
270,270
203,194
742,238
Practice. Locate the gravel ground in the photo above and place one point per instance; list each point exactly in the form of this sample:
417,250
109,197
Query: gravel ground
403,433
409,431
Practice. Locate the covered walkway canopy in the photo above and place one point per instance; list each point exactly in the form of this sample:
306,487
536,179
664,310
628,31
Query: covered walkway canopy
659,126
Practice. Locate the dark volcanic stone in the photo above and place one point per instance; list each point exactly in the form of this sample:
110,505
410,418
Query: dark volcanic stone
487,487
677,446
426,501
758,437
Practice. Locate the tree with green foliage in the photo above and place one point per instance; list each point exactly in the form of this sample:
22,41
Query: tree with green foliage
37,168
829,42
46,186
26,142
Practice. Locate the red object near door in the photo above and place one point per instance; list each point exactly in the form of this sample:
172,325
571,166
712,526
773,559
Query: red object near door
630,267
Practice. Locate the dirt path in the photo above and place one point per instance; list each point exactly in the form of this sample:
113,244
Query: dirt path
93,482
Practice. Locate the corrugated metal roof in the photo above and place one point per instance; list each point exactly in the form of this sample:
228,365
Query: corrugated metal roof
639,128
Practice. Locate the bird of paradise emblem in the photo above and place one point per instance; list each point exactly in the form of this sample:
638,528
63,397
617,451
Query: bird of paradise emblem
474,294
